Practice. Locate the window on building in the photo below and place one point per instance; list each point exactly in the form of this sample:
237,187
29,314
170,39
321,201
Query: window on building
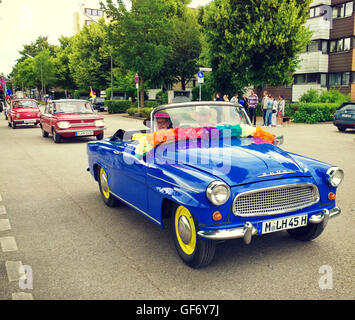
345,79
340,45
333,45
324,46
339,79
100,13
312,78
313,47
300,78
347,44
88,11
88,22
353,77
343,10
323,80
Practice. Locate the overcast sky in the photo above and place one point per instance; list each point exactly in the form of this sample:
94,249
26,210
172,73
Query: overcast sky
23,21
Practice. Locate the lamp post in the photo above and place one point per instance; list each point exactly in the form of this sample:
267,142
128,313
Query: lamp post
42,81
110,56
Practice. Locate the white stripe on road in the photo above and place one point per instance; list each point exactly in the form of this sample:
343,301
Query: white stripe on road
2,210
5,225
13,270
8,244
22,296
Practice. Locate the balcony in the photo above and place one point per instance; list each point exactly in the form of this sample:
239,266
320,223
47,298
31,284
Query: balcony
320,28
313,62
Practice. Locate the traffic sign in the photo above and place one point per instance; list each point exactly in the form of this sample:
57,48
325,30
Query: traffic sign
200,74
205,69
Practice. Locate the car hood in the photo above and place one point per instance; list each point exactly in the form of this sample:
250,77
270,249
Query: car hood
241,161
77,116
26,110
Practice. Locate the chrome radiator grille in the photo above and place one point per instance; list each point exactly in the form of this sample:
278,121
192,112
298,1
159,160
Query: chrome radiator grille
275,200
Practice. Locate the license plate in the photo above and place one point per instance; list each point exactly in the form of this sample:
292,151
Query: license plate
284,223
346,115
29,121
84,133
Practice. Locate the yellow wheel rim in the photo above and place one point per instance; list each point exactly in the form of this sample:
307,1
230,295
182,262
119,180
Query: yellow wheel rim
104,184
185,230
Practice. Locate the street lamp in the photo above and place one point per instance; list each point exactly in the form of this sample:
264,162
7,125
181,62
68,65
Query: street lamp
110,56
42,82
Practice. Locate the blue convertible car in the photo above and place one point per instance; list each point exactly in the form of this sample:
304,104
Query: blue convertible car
216,177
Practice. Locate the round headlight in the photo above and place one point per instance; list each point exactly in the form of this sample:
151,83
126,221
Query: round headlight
17,115
63,124
335,176
99,123
218,193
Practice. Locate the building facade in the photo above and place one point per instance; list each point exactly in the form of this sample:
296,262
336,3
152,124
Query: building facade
329,60
85,16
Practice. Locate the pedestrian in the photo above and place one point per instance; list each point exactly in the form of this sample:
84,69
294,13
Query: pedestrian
235,99
274,112
268,113
218,97
253,103
264,103
281,110
244,103
226,98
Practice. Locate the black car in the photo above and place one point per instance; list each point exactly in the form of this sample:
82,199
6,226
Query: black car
98,103
344,116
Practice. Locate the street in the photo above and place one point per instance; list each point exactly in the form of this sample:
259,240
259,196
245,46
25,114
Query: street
78,248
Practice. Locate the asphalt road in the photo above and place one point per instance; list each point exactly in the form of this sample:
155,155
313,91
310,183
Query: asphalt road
78,248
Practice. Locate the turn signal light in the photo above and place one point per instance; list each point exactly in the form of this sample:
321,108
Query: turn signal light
217,216
331,196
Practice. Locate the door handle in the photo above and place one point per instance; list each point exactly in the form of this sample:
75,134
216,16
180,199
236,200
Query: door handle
117,152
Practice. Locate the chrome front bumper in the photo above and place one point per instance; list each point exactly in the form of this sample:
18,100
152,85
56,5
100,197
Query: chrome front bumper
80,130
248,230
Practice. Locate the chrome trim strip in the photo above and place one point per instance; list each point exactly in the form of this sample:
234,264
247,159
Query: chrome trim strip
80,130
324,215
131,205
21,120
279,211
174,184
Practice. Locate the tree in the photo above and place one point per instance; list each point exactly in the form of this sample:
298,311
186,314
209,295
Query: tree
141,36
35,47
89,60
254,42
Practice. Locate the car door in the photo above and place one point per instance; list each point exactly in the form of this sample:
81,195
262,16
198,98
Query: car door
129,178
46,117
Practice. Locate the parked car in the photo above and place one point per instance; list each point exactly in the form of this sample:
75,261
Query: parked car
23,112
344,116
71,118
98,104
215,177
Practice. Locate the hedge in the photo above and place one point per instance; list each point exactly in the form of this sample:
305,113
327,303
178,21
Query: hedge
117,106
132,111
311,112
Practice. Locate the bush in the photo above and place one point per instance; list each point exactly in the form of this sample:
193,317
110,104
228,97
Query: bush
314,112
311,95
145,112
330,96
117,106
132,111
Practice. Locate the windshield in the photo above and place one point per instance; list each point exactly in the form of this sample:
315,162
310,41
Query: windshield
195,116
348,107
72,107
24,104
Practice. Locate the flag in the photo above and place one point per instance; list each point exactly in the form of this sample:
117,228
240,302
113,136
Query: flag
92,93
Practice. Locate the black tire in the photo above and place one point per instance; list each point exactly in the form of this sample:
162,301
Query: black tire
44,133
100,136
199,252
56,137
107,197
307,233
13,125
342,129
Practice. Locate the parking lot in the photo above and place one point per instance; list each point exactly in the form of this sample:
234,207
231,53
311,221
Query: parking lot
78,248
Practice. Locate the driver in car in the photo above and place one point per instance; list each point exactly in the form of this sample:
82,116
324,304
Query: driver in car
163,121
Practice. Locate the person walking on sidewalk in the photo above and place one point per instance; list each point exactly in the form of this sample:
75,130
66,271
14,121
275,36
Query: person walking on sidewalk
253,101
264,103
281,111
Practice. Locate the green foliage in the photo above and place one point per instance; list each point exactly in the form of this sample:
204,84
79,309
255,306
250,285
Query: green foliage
117,106
330,96
254,42
314,112
145,112
132,111
81,92
162,97
207,91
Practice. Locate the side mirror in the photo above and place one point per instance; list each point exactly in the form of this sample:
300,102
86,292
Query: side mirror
146,122
279,140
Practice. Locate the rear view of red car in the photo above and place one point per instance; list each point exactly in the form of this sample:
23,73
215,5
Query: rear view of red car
68,118
23,112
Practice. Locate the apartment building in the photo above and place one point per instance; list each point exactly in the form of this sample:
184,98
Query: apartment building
85,16
329,61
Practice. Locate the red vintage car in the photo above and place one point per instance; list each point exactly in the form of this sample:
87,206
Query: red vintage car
23,112
71,118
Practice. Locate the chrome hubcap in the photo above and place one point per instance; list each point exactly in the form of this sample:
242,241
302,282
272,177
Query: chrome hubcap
104,183
184,230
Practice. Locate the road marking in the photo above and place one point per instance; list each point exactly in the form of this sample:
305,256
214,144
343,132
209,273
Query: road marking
22,296
5,225
2,210
8,244
13,270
